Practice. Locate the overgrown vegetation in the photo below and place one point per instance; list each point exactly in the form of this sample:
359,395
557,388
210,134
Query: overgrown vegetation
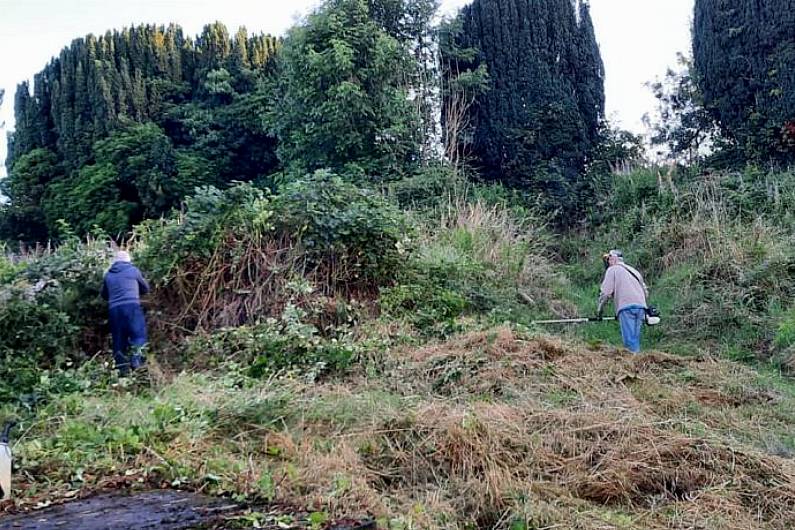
342,311
716,249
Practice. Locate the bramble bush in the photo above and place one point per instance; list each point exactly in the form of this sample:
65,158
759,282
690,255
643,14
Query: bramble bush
227,258
8,269
35,335
291,341
355,231
51,313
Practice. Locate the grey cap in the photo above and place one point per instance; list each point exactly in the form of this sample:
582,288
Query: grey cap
122,255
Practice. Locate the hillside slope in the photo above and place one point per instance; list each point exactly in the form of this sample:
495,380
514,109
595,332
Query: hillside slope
493,429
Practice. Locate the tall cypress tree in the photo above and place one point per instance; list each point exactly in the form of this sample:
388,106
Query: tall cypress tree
744,53
100,83
536,125
105,86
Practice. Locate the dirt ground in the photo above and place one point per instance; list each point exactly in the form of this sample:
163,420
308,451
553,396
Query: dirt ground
166,510
160,509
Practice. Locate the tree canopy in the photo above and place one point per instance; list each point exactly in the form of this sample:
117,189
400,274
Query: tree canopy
342,95
744,54
539,120
121,126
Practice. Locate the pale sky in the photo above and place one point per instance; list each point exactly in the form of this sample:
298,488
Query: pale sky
639,39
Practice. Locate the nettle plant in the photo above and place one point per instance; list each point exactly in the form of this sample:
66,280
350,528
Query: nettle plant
354,231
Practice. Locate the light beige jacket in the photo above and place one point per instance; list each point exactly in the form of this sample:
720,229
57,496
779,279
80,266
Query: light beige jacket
623,288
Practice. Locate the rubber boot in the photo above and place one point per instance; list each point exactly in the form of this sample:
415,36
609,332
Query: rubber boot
122,363
137,360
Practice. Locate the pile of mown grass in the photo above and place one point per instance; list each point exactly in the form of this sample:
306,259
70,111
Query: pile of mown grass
490,430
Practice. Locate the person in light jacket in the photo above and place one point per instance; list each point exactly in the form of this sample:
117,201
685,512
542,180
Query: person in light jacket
625,286
123,287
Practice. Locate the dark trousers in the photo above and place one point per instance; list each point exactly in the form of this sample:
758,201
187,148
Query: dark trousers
128,328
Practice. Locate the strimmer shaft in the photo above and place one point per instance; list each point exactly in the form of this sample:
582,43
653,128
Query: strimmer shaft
574,320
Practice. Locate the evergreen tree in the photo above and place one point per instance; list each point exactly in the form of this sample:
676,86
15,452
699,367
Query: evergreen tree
744,52
190,109
23,217
540,119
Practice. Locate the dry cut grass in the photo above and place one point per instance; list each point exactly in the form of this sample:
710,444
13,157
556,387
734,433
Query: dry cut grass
489,430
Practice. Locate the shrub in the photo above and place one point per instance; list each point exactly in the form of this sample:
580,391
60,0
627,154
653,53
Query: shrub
354,233
75,270
34,336
228,258
428,189
8,269
51,312
275,344
427,303
210,217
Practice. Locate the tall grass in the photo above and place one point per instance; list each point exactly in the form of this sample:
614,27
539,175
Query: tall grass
478,260
717,250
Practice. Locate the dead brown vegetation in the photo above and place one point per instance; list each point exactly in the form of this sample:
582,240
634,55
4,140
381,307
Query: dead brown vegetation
495,428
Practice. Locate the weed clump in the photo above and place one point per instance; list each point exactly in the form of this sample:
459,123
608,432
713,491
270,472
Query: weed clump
474,258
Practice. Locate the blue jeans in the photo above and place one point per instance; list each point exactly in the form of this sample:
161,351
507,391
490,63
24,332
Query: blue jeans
128,327
631,320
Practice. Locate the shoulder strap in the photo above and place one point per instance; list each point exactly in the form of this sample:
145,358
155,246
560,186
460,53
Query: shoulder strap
633,275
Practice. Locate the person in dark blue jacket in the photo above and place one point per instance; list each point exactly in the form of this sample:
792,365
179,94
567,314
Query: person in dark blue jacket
122,288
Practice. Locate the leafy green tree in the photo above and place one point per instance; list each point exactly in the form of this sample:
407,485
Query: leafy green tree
90,198
233,139
618,149
22,219
412,23
684,126
744,54
341,97
137,174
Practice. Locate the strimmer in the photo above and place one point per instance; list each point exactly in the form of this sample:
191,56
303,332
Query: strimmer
5,463
651,320
574,320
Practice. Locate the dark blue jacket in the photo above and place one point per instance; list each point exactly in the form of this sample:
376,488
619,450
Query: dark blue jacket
123,285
